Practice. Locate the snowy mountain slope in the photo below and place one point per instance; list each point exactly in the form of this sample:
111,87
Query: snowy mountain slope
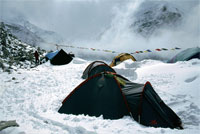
24,34
47,36
148,24
30,33
151,16
33,97
14,53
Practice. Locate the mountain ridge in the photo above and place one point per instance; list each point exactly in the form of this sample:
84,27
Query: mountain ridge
151,17
30,33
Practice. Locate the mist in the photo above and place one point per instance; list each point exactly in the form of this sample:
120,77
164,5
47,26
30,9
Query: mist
186,34
105,23
73,19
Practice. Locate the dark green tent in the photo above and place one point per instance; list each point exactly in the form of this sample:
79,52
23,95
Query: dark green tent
95,68
114,96
186,55
59,57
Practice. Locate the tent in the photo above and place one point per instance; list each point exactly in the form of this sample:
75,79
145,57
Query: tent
186,55
114,96
95,68
59,57
120,58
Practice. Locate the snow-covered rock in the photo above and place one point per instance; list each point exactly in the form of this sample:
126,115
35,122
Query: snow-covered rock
14,53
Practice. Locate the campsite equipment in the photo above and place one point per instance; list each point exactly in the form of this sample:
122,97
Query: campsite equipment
114,96
186,55
120,58
59,57
95,68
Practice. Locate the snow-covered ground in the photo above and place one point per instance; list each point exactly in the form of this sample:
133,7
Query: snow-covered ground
32,98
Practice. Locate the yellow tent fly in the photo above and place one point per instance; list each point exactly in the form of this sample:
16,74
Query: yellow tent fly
120,58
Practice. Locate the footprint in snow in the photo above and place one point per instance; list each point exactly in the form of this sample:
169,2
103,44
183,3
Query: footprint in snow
190,115
191,79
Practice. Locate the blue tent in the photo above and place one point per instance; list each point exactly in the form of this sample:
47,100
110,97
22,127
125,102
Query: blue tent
59,57
51,55
186,55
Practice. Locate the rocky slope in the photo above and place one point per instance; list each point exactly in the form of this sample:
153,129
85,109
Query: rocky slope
15,54
155,15
30,33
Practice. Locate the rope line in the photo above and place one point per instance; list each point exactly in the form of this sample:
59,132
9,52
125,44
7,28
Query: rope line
111,51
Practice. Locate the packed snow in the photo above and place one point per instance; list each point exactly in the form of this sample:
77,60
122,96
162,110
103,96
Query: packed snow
33,96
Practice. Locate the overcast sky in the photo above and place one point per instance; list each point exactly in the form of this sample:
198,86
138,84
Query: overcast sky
69,15
79,18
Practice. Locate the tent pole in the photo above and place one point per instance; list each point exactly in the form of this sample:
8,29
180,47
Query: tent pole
139,118
131,114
